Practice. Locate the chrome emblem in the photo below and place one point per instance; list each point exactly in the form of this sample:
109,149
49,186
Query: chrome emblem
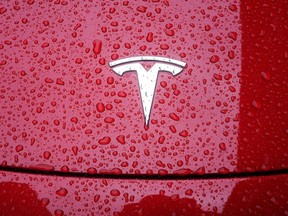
147,79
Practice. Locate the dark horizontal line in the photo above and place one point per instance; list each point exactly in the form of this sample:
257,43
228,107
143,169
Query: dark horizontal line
207,176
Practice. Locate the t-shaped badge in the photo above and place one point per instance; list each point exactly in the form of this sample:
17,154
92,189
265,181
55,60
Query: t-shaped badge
147,79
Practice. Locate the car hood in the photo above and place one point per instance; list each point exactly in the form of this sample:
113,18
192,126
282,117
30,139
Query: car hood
221,108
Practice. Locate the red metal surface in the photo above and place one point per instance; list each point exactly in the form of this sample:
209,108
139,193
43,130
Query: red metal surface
63,108
25,194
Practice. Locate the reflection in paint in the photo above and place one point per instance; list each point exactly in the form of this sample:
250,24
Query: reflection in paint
164,205
19,199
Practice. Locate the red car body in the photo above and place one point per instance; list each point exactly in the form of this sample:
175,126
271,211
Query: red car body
206,135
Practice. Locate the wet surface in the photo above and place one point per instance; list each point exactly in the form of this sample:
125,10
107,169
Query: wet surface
28,194
20,199
63,108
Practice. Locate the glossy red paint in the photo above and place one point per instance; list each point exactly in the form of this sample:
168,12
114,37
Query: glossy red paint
62,108
243,196
263,134
72,112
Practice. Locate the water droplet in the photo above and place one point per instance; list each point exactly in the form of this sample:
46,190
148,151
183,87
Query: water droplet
97,46
164,46
59,81
233,35
222,146
45,202
231,54
62,192
149,37
110,80
3,10
266,75
223,170
122,94
174,116
19,148
78,60
214,59
100,107
104,141
169,32
109,120
121,139
96,198
48,80
256,104
142,9
91,170
189,192
58,212
233,7
46,155
184,133
161,139
115,192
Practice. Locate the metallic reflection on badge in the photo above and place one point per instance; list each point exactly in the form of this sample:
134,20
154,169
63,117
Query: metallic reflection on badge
147,79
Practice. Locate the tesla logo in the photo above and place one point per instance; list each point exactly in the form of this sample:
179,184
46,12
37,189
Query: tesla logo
147,79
